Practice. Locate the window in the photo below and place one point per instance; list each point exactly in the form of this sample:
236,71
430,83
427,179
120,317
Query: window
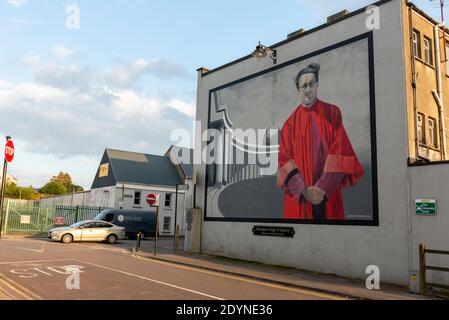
432,130
137,197
88,225
428,56
102,225
167,221
168,200
420,120
109,217
104,170
417,43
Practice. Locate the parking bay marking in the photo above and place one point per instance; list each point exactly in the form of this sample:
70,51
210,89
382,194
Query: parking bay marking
28,273
152,280
34,261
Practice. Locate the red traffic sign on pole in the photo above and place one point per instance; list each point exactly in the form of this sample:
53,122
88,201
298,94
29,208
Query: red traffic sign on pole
153,200
9,151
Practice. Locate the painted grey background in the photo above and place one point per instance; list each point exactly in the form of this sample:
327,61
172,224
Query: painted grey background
267,101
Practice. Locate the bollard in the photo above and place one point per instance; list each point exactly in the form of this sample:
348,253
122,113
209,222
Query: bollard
176,239
138,241
422,269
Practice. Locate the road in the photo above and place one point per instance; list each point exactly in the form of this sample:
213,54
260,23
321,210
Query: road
38,269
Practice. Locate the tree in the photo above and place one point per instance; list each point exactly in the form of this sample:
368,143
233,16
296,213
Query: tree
76,188
54,187
15,192
65,179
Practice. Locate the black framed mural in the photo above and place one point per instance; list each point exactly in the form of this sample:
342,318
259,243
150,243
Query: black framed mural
296,143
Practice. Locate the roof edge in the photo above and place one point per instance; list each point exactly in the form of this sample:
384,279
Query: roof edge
305,33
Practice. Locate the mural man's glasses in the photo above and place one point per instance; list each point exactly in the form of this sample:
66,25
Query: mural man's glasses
308,85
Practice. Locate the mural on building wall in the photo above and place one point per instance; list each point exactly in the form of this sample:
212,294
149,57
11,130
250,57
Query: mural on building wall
296,143
316,158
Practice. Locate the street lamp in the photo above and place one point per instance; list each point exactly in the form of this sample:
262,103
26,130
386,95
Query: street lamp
262,51
178,187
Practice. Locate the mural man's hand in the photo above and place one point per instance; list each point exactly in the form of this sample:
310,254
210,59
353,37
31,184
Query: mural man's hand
314,195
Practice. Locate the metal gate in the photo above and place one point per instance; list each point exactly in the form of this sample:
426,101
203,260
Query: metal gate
72,214
27,218
32,218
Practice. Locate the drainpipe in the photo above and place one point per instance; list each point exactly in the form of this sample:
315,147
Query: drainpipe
415,107
408,178
438,94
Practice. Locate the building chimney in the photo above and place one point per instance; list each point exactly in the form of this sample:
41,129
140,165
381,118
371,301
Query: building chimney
295,33
337,16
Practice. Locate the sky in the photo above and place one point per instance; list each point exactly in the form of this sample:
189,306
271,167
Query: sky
125,76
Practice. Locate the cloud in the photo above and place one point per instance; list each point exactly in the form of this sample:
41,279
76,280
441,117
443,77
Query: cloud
31,59
186,108
72,112
60,51
128,74
65,122
16,3
64,76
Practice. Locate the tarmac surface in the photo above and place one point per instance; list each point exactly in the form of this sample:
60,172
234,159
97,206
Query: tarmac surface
38,269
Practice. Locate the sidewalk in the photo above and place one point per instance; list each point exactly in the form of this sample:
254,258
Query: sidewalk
352,289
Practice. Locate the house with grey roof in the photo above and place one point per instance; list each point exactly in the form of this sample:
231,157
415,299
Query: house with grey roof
124,180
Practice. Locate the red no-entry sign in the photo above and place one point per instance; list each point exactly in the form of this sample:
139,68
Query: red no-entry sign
9,151
153,200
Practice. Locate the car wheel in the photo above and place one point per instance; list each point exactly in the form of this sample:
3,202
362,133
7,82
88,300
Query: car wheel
67,238
112,238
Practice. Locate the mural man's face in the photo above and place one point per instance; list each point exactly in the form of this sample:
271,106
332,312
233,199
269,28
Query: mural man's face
308,89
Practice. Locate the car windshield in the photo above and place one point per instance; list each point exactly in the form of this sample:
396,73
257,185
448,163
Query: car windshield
101,215
76,225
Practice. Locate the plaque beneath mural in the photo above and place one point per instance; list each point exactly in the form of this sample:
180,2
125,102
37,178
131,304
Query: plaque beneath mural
270,231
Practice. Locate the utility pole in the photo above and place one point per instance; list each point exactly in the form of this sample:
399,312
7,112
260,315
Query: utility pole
2,194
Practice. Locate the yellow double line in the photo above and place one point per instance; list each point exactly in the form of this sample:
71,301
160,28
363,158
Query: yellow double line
18,292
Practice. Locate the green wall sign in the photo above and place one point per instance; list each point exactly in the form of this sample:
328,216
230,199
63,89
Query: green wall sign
426,207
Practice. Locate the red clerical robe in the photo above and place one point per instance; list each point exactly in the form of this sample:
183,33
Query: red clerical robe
314,145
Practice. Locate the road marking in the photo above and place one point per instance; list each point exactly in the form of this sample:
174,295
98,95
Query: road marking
152,280
96,247
19,289
5,295
261,283
31,261
33,250
33,295
15,290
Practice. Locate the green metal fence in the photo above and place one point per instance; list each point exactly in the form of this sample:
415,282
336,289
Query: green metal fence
32,218
72,214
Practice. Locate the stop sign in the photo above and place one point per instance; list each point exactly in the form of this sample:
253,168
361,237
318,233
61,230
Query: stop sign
152,200
9,151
